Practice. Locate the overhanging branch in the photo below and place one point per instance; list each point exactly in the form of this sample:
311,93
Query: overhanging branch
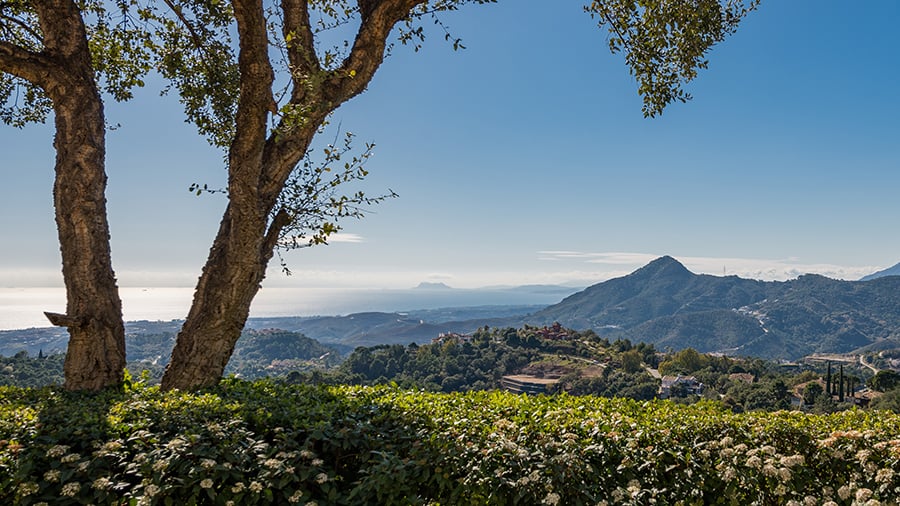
28,65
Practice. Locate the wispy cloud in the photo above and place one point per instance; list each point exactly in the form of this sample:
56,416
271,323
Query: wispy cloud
611,258
344,237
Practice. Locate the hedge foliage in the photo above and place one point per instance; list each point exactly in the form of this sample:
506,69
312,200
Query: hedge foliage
271,443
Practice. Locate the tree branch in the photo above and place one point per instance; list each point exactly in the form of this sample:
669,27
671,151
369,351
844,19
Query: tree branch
62,26
24,26
378,20
300,40
285,150
28,65
281,220
255,100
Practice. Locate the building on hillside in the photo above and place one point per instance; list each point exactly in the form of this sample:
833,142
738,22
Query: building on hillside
527,384
744,377
864,396
554,332
445,337
679,386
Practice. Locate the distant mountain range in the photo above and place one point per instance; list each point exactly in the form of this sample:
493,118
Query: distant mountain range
661,303
890,271
665,304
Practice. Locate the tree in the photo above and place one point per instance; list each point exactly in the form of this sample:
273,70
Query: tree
48,58
632,361
664,43
811,392
884,380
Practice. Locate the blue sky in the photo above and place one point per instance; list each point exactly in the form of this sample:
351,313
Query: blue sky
525,159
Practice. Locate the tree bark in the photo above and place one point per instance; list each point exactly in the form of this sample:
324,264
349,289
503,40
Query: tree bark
231,278
96,352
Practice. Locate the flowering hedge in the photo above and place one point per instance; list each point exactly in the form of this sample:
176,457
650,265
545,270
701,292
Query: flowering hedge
265,442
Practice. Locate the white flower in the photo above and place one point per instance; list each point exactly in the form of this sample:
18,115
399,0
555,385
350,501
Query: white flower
238,488
634,487
151,490
754,461
256,486
844,492
206,483
306,454
52,476
884,475
160,465
272,463
552,499
71,489
863,456
72,457
175,443
111,446
810,501
296,497
101,483
793,460
207,463
57,451
317,462
28,488
863,494
321,478
785,474
769,470
730,474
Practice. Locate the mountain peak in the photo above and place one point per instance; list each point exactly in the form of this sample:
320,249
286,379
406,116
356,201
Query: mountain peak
662,266
425,285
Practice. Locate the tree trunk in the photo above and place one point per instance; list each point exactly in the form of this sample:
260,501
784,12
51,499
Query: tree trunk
231,278
96,353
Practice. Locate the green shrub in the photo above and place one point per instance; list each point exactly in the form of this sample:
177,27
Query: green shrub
271,443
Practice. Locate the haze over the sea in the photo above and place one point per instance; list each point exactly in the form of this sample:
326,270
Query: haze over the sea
23,307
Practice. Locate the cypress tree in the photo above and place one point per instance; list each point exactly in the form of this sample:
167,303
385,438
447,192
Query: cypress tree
841,385
828,378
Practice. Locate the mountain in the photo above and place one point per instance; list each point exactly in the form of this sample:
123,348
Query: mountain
890,271
665,304
370,329
425,285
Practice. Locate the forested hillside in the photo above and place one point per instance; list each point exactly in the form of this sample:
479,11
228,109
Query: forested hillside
665,304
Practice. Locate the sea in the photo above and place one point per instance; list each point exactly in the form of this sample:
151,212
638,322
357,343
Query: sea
22,308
